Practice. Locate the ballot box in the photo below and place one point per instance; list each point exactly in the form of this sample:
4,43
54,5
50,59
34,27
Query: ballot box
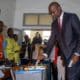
31,73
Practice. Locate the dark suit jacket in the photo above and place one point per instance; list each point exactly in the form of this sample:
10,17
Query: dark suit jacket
68,38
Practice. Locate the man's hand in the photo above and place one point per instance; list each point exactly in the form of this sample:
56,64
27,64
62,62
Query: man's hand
75,59
43,56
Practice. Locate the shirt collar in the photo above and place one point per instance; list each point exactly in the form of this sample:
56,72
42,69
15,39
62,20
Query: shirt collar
61,16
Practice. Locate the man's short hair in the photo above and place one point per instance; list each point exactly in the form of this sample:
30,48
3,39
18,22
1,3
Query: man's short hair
9,29
53,4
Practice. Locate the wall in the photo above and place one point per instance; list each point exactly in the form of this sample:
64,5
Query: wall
29,6
7,11
12,10
40,6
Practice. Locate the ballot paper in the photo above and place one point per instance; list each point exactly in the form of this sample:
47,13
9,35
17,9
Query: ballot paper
70,64
37,62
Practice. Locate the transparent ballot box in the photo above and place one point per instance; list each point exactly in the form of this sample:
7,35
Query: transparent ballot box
31,73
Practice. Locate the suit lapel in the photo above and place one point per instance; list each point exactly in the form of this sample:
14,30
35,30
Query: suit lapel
65,18
56,28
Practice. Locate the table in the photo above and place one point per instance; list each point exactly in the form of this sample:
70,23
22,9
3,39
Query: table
8,72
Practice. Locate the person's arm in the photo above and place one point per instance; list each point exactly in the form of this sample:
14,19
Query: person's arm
49,45
51,41
76,27
4,47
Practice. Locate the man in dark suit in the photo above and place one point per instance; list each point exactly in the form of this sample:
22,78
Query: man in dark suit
67,34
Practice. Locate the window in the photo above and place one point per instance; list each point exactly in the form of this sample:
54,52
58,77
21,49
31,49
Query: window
30,19
45,19
37,19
